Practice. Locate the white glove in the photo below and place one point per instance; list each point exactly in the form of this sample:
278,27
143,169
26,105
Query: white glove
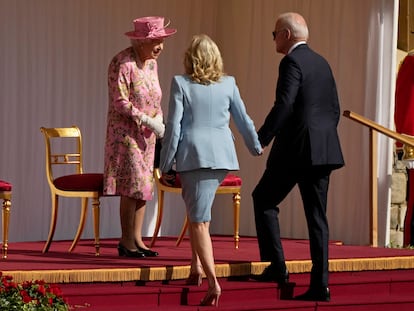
154,124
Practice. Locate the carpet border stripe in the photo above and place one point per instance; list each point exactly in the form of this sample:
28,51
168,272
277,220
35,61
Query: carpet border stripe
222,270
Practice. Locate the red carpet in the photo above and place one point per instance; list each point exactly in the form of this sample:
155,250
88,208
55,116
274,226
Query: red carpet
362,277
368,291
26,261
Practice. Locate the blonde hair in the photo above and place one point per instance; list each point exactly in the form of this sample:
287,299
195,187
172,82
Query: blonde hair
202,60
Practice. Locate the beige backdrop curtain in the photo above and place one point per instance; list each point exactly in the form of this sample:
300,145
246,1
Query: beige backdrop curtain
53,63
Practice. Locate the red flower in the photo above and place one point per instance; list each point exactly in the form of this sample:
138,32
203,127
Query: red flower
10,285
39,293
40,282
41,289
25,296
27,284
55,290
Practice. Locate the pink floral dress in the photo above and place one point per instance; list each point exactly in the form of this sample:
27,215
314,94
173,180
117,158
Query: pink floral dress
129,149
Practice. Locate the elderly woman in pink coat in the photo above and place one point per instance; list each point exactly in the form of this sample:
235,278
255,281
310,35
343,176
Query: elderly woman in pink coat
134,122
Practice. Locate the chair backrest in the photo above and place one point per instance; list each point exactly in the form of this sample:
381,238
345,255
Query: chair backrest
64,150
161,186
231,184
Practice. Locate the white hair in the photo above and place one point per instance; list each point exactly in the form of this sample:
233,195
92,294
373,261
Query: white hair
296,24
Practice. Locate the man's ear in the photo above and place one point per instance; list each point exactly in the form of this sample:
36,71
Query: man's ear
288,34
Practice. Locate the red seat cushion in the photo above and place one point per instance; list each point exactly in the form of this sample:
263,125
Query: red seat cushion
230,180
80,182
5,186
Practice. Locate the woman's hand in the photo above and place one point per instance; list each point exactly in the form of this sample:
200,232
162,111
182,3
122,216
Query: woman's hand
154,124
168,178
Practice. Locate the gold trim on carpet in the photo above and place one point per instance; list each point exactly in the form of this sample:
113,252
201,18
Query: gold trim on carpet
222,270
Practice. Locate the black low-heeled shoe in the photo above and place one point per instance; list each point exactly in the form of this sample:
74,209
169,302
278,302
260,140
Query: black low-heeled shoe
124,252
271,274
315,294
147,252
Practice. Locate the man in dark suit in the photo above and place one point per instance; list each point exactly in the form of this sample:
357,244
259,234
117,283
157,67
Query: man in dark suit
306,148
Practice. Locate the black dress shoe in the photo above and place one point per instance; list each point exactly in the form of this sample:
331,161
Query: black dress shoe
315,294
270,274
125,252
148,252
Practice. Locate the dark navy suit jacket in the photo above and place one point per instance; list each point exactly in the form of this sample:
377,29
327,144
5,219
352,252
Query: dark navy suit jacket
303,121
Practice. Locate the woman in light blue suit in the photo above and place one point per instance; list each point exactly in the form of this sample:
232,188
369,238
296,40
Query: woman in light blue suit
199,142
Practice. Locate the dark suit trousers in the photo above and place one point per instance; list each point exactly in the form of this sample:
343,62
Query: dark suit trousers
272,189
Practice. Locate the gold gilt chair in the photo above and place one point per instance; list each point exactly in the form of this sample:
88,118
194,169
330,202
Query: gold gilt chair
64,154
5,195
230,185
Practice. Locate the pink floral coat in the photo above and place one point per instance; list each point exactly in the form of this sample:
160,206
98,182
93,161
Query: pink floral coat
129,149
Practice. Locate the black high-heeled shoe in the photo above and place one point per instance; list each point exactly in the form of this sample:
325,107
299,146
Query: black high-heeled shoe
148,252
125,252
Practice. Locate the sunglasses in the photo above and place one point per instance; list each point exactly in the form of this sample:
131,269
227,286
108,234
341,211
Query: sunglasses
275,33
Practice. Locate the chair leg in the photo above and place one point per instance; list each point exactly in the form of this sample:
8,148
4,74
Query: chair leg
183,231
53,217
159,217
5,226
81,224
236,208
96,224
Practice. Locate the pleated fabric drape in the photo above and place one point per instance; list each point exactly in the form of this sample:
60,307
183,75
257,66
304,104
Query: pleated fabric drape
53,65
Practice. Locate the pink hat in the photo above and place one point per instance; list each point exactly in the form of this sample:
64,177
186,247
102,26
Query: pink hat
150,27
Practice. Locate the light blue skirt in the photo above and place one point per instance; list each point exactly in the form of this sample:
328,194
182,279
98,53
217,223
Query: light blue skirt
199,190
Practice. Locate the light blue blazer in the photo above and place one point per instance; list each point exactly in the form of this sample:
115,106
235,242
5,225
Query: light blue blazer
197,133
